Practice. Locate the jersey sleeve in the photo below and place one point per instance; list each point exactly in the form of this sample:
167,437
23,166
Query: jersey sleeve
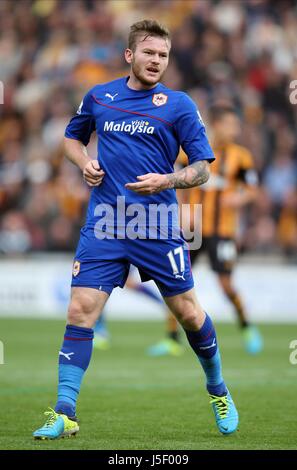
191,131
82,124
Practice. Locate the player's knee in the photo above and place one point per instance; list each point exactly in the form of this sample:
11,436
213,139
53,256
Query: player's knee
188,316
79,308
190,321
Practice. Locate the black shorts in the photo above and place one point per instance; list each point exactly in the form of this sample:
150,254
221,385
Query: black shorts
221,252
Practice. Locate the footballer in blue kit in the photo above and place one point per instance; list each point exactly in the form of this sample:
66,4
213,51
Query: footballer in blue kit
139,132
132,216
128,124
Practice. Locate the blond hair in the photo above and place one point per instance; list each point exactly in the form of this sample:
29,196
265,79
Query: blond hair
149,28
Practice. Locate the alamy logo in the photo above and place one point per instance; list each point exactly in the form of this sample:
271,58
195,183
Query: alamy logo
293,355
152,222
67,355
112,97
293,94
1,93
131,128
1,352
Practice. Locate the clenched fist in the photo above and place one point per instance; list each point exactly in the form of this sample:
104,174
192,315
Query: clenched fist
92,173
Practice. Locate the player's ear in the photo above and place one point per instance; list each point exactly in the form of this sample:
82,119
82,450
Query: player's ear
128,55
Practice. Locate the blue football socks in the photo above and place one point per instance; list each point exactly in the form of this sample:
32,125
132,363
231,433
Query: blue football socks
74,359
204,344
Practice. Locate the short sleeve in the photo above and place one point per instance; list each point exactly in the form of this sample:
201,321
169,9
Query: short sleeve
82,125
191,131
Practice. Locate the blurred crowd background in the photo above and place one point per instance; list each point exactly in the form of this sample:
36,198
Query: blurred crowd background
52,51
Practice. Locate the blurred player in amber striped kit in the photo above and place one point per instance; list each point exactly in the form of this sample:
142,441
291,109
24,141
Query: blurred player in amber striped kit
231,187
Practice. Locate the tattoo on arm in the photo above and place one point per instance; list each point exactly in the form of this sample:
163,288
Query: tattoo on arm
190,176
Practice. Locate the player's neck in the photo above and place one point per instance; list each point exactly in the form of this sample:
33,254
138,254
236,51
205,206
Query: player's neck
135,84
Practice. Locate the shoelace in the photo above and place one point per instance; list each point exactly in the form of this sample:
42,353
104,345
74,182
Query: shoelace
221,404
52,416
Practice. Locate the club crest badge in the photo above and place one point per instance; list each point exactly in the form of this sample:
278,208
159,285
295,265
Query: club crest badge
76,268
160,99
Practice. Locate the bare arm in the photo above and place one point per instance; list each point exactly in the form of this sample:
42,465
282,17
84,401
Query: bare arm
77,153
152,183
190,176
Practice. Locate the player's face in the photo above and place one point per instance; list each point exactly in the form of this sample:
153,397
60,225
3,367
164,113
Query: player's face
228,128
149,60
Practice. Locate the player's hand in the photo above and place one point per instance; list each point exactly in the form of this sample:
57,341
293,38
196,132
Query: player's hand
92,173
151,183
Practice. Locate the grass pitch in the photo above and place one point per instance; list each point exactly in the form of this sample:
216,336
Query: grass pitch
131,401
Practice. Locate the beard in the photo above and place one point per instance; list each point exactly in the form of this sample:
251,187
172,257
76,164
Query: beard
146,81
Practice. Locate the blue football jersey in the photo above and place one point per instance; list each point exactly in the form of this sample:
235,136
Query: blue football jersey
138,132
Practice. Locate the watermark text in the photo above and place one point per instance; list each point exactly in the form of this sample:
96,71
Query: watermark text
1,353
1,92
293,355
293,94
151,221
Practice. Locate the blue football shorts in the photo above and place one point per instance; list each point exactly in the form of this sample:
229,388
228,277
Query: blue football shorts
104,264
